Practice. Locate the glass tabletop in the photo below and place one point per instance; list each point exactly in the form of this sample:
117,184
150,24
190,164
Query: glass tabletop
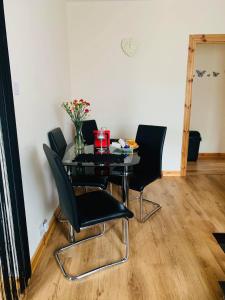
128,159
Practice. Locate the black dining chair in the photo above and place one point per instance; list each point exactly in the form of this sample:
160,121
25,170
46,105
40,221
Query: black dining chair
87,130
57,141
58,144
85,211
151,141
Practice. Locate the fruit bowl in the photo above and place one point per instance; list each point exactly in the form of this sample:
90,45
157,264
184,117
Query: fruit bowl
132,144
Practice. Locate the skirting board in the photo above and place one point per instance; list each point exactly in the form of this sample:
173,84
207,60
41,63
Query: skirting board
211,155
171,173
42,245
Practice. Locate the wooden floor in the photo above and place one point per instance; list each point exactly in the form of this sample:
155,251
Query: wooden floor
172,256
206,166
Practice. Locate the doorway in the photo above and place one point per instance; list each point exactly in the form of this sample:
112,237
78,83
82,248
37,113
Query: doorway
194,41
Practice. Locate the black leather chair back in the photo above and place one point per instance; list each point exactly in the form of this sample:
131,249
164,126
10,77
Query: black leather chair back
67,199
150,139
87,129
57,141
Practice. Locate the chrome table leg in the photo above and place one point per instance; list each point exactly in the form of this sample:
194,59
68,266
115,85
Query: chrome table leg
125,195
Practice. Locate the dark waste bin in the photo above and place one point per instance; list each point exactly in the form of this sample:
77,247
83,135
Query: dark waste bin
194,143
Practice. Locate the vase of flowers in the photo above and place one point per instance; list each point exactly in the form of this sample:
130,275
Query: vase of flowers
78,111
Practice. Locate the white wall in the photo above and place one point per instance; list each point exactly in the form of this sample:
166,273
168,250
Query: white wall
150,87
38,57
208,98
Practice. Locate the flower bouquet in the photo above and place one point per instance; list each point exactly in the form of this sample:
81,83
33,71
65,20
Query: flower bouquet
78,110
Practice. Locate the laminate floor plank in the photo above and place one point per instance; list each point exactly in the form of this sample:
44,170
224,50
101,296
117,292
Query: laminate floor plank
173,256
208,166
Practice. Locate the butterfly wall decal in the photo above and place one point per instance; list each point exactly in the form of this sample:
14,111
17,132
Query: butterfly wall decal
215,74
200,73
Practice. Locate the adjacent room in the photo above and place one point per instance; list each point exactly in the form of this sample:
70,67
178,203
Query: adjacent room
207,113
99,100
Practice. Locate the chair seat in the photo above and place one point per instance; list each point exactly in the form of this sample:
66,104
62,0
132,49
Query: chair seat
90,181
99,206
137,182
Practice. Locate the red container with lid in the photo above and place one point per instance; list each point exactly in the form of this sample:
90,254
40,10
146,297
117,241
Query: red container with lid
105,142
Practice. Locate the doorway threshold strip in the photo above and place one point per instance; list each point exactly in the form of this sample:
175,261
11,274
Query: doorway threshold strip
220,238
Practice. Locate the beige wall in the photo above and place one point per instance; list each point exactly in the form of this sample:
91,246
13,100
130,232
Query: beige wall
149,87
38,57
208,106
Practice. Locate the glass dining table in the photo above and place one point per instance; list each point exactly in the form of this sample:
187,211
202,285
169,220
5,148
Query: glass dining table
112,159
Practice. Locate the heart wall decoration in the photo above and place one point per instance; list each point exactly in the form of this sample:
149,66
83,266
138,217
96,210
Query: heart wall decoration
129,46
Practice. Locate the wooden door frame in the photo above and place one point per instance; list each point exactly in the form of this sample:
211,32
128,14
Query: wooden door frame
193,41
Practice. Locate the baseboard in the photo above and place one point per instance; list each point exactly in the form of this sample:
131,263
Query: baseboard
171,173
42,245
211,155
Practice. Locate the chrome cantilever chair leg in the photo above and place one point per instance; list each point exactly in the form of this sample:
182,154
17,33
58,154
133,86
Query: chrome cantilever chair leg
71,233
145,217
71,236
92,271
111,188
